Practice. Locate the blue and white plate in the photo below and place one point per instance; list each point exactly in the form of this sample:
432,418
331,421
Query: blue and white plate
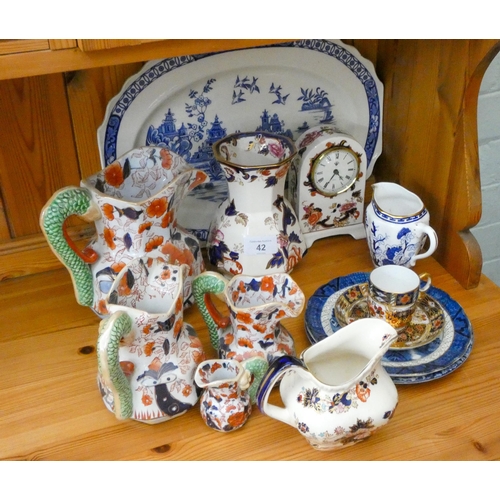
187,103
432,361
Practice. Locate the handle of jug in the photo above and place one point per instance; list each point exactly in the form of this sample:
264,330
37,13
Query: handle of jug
205,284
278,368
111,331
431,236
64,203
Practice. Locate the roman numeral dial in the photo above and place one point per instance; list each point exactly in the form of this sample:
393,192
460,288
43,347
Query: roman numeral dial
335,170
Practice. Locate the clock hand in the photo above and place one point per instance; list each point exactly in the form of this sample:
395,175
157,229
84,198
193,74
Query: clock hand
335,172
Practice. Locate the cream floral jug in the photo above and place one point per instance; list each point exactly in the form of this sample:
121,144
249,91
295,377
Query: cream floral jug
338,392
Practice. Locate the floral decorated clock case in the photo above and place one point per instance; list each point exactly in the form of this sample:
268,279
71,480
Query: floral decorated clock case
327,184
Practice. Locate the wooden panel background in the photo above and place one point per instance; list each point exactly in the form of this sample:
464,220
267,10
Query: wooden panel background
49,126
89,92
100,44
49,141
430,137
37,154
15,46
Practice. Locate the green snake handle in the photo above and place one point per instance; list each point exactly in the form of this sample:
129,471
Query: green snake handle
65,202
210,282
257,367
111,331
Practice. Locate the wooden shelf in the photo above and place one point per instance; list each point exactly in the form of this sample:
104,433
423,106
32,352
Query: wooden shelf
52,410
17,61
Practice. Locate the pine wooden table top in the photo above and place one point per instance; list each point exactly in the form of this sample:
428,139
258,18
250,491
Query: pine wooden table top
51,409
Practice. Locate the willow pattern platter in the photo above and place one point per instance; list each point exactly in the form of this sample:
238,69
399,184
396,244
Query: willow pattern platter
187,103
447,352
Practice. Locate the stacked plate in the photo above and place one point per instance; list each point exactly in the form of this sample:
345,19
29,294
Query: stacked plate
449,349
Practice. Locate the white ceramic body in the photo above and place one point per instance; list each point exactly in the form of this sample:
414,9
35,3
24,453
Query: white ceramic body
393,292
397,226
158,353
338,393
225,404
255,230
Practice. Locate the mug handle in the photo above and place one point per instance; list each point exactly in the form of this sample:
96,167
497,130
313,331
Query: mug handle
204,284
427,278
433,241
278,368
111,331
64,203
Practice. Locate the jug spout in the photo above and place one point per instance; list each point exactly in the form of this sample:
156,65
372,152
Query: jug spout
343,359
396,200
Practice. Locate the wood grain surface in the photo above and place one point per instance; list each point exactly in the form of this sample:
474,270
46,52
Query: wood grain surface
430,137
89,92
51,409
37,151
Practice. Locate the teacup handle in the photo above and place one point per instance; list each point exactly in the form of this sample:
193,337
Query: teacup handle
433,241
111,331
64,203
427,278
204,284
278,368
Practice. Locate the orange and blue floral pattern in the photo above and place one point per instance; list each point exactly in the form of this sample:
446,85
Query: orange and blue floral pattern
255,165
159,352
133,203
225,404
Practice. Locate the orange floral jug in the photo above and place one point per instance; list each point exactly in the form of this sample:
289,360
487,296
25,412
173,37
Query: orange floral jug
252,333
133,203
147,355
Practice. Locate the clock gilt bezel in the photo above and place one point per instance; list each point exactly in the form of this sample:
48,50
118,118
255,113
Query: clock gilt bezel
317,159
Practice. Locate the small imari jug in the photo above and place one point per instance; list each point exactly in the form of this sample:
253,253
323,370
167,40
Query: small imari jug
225,404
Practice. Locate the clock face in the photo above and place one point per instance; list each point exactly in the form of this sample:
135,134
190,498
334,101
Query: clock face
335,170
